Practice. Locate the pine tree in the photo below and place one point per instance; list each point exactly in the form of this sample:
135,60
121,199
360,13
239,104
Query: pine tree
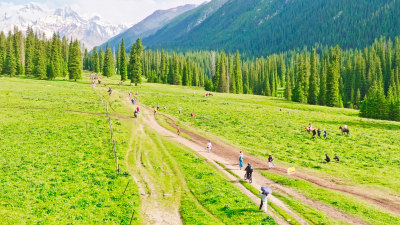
288,88
10,64
54,68
135,64
101,60
75,61
39,61
313,90
123,62
332,82
322,91
117,60
29,52
222,86
95,61
64,54
238,74
108,66
86,60
19,52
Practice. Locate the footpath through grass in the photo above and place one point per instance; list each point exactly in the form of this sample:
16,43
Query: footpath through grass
57,166
263,126
343,202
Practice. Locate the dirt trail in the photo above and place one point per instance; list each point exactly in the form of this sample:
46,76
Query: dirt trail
229,159
390,203
149,120
153,201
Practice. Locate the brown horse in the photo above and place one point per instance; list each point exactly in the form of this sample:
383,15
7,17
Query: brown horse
344,130
309,130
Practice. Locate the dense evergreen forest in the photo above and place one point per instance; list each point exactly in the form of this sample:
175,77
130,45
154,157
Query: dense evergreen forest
34,55
259,27
367,79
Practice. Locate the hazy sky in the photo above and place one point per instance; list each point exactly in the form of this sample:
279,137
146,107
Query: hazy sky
115,11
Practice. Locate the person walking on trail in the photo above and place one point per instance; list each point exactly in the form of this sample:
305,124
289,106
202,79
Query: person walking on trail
180,110
209,146
129,94
191,115
137,109
319,132
327,159
155,111
133,101
178,131
158,107
265,191
336,158
270,162
325,134
240,163
109,91
249,171
241,154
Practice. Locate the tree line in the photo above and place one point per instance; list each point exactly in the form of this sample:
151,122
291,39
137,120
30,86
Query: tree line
109,64
367,79
34,55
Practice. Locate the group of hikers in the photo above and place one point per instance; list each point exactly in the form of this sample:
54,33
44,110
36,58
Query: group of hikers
316,132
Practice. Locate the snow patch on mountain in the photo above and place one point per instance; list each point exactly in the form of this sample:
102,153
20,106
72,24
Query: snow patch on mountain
64,21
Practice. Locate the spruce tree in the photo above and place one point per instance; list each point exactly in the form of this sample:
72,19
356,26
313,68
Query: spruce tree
222,86
29,52
86,60
10,64
101,60
123,62
55,64
108,66
95,61
75,61
238,74
313,90
332,81
39,60
135,64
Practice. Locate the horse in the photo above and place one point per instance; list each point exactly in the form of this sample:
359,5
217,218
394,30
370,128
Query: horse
344,130
309,130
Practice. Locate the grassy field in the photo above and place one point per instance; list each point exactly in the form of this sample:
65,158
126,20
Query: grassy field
262,126
56,164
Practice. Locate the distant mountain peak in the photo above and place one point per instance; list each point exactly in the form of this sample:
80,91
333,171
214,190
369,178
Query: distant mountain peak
148,26
64,21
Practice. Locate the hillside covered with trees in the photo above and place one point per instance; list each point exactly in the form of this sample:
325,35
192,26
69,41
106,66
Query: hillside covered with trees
259,27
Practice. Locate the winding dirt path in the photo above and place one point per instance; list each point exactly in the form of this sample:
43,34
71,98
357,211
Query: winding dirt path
222,149
228,158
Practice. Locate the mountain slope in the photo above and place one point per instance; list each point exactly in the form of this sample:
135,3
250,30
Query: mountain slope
260,27
63,21
148,26
185,22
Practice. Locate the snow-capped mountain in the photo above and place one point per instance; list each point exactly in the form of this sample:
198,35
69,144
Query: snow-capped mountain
64,21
